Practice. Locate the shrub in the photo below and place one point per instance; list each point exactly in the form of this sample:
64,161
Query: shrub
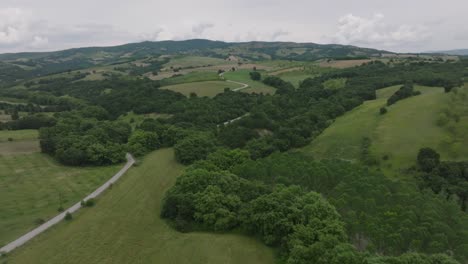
68,216
383,110
90,202
60,209
256,76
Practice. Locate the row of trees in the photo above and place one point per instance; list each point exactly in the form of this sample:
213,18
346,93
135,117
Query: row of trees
405,91
444,177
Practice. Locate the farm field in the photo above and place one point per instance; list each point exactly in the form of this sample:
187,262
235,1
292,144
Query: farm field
208,88
18,142
409,125
244,77
125,227
191,77
33,187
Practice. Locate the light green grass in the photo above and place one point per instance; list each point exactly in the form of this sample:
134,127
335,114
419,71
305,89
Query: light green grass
243,76
23,141
31,186
296,77
191,77
27,134
194,61
209,88
136,119
125,227
335,84
409,125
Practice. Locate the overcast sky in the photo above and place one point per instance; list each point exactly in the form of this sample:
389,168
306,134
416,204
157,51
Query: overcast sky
396,25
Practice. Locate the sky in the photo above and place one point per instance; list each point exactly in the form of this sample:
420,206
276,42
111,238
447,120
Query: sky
395,25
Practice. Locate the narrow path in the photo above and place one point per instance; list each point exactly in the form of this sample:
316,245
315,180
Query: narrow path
33,233
243,85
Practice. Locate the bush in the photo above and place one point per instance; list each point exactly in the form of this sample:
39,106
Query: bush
60,209
256,76
90,203
383,110
68,216
10,139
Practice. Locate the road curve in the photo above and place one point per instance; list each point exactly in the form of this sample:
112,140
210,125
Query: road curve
242,85
33,233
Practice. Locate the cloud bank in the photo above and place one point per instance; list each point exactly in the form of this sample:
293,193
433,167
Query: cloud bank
374,31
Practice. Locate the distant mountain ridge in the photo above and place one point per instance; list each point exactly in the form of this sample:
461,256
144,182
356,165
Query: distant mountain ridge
457,52
20,66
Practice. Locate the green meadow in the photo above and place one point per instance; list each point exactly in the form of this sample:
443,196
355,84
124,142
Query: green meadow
124,227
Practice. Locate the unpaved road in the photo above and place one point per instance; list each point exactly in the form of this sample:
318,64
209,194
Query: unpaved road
243,85
33,233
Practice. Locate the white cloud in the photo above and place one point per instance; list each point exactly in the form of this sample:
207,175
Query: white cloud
13,25
199,29
39,42
375,31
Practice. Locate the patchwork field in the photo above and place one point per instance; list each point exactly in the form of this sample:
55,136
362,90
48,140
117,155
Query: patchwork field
341,64
209,88
409,125
125,227
34,186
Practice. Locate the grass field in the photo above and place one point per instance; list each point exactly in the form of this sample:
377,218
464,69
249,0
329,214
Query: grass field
295,77
124,227
409,125
244,77
335,84
23,142
32,185
209,88
191,77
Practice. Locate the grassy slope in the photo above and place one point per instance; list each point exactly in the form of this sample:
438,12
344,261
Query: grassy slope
124,227
31,186
409,125
244,77
209,88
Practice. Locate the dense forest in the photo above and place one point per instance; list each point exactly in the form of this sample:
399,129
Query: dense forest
241,177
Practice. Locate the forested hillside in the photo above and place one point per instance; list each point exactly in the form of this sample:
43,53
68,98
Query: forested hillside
248,168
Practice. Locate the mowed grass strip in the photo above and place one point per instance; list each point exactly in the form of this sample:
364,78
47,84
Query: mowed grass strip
210,88
125,227
34,186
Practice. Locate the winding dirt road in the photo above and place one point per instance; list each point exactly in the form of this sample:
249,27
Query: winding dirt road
242,85
33,233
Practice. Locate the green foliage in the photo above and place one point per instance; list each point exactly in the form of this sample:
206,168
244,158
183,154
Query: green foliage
380,214
142,142
77,141
255,76
193,148
428,159
383,110
405,91
68,216
90,202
